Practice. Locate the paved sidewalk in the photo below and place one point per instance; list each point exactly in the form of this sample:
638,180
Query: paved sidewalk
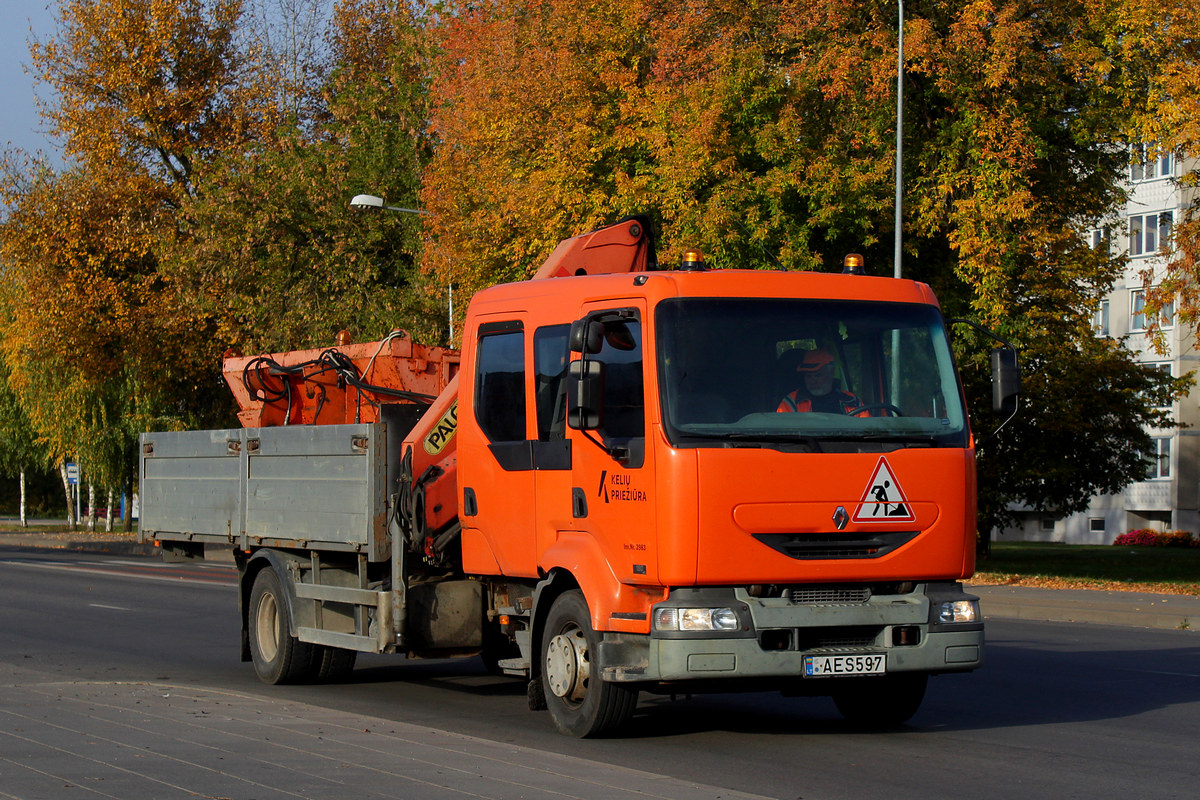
1133,609
167,741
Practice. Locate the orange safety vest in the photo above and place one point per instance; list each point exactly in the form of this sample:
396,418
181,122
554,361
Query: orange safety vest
845,403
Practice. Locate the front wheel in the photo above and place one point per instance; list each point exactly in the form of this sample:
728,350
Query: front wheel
580,702
881,702
278,656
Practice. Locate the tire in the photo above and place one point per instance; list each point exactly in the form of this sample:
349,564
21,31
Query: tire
278,656
881,702
580,703
334,664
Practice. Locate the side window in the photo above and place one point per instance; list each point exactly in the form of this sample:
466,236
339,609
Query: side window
550,355
624,397
500,385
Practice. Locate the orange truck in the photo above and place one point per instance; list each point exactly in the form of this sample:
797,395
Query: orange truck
629,479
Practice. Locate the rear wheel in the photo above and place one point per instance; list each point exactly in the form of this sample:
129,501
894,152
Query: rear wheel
579,701
881,702
278,656
334,663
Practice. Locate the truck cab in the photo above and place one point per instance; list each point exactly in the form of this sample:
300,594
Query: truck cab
630,445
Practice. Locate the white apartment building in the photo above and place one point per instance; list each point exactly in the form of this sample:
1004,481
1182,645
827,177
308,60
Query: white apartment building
1169,497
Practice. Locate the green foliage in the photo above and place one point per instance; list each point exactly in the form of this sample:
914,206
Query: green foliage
19,449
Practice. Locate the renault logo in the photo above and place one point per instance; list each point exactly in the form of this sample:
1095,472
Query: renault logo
840,518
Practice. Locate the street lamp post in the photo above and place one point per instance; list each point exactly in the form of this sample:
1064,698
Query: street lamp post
899,141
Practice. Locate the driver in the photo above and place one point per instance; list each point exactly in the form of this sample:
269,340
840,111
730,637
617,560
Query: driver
818,392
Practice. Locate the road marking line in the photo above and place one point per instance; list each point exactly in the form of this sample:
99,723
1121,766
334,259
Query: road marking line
220,584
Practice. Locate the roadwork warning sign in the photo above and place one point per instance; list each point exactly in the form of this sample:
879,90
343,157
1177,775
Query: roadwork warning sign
883,500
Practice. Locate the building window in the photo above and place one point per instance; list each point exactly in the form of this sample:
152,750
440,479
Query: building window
1160,459
1100,320
1149,232
1148,166
1099,238
1137,314
1165,368
1096,524
1047,524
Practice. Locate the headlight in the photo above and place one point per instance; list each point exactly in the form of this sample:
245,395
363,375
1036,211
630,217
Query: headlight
695,619
959,611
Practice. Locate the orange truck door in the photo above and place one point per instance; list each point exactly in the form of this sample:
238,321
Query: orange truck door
496,468
613,495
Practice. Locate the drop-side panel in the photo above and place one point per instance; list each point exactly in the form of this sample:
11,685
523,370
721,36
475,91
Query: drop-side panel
190,486
312,487
321,486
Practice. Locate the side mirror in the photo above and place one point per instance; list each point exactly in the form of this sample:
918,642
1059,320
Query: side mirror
1006,380
585,393
586,336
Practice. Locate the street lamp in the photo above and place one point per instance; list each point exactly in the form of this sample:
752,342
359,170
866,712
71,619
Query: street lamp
371,201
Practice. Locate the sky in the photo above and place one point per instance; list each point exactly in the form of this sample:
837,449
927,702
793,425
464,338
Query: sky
19,122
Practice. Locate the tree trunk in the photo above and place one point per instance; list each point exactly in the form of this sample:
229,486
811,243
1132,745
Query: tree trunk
91,509
24,522
62,470
108,512
127,516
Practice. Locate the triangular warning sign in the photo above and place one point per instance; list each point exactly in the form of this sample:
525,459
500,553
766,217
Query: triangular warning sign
883,500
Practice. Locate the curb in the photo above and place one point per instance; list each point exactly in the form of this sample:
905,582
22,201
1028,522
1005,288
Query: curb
78,542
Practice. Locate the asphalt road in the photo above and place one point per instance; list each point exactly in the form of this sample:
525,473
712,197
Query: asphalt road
119,677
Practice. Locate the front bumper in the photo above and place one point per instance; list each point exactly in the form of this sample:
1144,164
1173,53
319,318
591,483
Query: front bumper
777,634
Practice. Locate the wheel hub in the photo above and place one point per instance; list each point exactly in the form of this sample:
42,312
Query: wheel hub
567,666
268,627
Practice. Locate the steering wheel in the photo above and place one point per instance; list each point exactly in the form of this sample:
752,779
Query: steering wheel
895,410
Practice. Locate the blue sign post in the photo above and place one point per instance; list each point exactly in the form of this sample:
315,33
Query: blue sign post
73,480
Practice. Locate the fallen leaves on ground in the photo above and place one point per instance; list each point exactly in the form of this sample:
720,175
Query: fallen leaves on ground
1051,582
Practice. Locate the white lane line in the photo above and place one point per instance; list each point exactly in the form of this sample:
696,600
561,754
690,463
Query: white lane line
115,574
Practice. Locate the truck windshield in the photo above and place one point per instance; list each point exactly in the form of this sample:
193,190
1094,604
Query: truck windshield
807,374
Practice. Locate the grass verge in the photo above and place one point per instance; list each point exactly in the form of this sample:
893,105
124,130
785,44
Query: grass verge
1167,570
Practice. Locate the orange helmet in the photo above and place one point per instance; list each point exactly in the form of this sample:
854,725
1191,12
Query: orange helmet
815,359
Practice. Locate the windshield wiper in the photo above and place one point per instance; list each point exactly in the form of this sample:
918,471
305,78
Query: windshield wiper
777,438
899,438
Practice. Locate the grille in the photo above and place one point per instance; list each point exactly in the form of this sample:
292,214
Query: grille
813,546
828,595
835,638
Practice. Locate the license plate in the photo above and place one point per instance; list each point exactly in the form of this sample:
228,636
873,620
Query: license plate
836,666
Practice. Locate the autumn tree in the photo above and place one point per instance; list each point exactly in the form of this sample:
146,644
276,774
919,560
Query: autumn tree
1165,118
284,42
143,86
763,132
98,345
